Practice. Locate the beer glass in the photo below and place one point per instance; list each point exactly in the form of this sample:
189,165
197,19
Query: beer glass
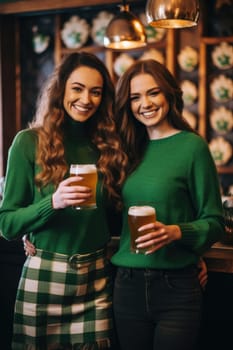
88,172
139,215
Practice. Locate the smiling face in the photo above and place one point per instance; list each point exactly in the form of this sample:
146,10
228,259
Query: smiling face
83,93
149,105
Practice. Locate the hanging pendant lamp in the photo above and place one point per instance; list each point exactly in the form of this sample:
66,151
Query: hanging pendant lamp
125,31
172,13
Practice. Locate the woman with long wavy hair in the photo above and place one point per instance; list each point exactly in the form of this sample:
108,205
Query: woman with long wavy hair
157,297
64,298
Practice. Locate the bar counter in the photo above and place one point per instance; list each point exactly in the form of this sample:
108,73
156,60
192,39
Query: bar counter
219,258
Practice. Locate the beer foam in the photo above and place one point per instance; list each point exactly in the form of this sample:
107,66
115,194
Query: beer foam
83,169
141,210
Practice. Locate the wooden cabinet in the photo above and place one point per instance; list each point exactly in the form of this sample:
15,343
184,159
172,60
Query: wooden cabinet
217,100
212,108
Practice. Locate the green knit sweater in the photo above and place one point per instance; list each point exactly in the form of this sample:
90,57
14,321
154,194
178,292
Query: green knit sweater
179,177
25,209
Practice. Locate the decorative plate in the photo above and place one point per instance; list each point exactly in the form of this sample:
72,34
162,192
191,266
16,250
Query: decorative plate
222,56
189,92
190,118
99,25
153,54
221,150
153,34
40,41
188,59
222,88
75,32
221,120
122,62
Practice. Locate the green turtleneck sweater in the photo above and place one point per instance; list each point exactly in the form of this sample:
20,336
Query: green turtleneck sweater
178,176
25,209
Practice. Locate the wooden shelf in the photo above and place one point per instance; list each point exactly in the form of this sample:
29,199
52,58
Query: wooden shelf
216,40
166,45
207,72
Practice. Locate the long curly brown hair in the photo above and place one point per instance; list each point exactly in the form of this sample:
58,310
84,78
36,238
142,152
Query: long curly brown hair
49,120
133,134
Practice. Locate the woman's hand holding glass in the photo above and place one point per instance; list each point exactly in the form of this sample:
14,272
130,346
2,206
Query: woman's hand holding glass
68,194
159,236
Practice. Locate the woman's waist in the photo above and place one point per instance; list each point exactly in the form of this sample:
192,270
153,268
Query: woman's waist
72,258
68,244
160,260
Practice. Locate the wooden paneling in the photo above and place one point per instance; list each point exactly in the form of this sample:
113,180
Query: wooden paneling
10,99
45,5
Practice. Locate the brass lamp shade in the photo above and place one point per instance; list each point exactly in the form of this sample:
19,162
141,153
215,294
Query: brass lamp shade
172,13
125,31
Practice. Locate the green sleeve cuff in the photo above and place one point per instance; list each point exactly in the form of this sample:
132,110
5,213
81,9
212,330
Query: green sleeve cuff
46,209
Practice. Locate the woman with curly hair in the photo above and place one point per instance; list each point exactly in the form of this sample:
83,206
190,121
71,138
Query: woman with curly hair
64,296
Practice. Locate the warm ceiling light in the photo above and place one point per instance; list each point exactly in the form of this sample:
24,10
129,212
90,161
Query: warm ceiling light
125,31
172,13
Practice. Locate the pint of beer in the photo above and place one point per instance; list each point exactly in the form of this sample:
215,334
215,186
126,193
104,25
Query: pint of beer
139,216
88,172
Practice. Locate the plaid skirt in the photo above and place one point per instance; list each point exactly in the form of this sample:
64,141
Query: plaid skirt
64,302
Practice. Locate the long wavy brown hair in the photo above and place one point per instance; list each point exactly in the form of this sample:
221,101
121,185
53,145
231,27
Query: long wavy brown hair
49,120
133,134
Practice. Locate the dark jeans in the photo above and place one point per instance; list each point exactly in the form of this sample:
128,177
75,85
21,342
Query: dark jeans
157,309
